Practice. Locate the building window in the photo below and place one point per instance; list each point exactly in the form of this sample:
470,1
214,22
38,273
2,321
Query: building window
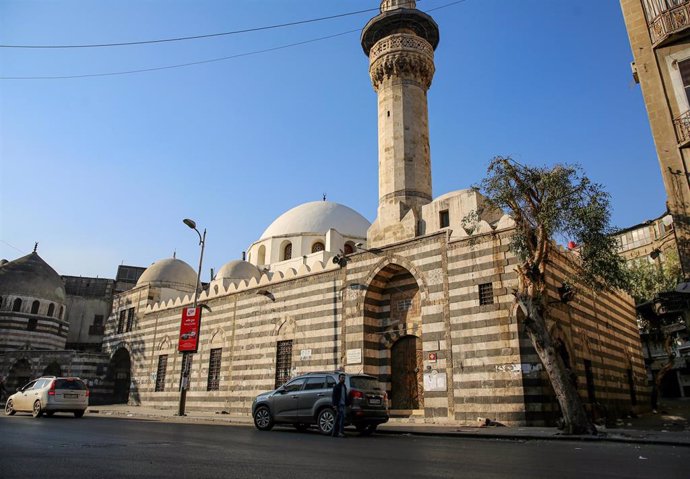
34,307
186,366
17,305
51,309
160,372
130,319
684,70
62,310
405,304
349,249
121,322
589,376
283,362
316,247
287,251
444,219
214,370
96,328
486,294
31,326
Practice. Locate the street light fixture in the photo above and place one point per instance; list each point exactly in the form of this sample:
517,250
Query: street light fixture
185,354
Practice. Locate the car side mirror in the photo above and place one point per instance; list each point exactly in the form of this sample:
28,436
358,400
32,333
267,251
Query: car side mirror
280,390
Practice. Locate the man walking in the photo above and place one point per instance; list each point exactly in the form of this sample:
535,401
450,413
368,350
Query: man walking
340,401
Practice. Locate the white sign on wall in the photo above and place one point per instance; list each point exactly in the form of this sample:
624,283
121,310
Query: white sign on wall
305,354
354,356
435,381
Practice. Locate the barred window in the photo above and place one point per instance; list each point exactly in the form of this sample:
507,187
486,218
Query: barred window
405,304
287,252
130,319
283,362
214,370
121,322
316,247
160,372
486,294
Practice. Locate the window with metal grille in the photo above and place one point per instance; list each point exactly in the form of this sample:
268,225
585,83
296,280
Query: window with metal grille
486,293
444,219
316,247
130,319
214,370
121,322
283,362
405,304
287,251
186,365
160,372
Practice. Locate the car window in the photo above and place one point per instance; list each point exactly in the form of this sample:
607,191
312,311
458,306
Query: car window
69,384
314,383
29,385
330,382
39,384
294,385
364,383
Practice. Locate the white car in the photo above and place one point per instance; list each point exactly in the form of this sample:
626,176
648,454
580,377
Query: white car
50,394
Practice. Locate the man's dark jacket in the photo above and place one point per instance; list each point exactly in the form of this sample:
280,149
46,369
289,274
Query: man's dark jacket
338,390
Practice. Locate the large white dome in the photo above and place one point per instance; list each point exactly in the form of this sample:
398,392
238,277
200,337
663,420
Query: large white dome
318,217
169,273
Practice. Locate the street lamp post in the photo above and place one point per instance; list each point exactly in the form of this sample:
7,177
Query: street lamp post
185,370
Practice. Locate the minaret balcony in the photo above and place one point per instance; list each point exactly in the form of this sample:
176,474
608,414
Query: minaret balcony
682,124
668,23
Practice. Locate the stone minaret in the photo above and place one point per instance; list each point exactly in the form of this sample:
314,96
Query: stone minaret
400,44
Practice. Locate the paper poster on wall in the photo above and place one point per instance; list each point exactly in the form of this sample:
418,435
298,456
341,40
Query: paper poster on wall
435,381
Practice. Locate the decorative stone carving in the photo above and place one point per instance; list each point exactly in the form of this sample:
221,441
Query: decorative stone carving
402,55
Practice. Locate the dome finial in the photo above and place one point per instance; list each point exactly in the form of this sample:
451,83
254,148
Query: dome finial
35,246
324,196
394,4
174,254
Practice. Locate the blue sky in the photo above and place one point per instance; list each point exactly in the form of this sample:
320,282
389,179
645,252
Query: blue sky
102,170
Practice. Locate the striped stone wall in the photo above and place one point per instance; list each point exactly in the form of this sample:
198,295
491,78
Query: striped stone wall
24,329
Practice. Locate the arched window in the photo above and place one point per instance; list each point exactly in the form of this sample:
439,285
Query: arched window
62,310
17,305
51,309
262,256
349,249
34,307
316,247
287,251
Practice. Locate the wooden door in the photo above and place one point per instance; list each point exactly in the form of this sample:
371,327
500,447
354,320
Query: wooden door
406,374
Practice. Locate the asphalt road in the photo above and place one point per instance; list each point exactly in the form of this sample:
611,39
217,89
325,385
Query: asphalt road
95,447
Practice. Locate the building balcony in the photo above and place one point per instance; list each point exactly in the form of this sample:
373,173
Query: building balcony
669,23
682,124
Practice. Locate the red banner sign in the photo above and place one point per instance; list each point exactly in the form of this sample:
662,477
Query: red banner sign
189,330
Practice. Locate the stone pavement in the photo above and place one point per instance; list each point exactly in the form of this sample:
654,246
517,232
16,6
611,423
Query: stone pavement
670,426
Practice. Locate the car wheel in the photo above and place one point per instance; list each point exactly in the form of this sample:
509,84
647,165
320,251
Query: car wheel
262,419
78,414
37,411
301,427
9,408
326,421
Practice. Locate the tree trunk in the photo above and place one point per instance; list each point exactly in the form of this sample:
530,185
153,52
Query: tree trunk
574,415
661,373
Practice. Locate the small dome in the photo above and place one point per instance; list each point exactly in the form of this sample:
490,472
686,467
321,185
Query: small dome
33,277
169,273
318,217
238,270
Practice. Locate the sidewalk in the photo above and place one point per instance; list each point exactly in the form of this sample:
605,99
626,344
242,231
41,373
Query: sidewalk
652,433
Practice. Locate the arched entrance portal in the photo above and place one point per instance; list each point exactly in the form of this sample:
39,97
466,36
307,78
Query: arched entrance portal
20,374
120,373
392,336
406,374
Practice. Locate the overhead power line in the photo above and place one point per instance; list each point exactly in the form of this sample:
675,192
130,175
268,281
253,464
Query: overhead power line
195,37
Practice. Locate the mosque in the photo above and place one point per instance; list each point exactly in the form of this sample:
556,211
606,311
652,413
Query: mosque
417,298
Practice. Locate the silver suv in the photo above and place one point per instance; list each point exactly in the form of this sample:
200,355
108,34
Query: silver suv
50,394
306,400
